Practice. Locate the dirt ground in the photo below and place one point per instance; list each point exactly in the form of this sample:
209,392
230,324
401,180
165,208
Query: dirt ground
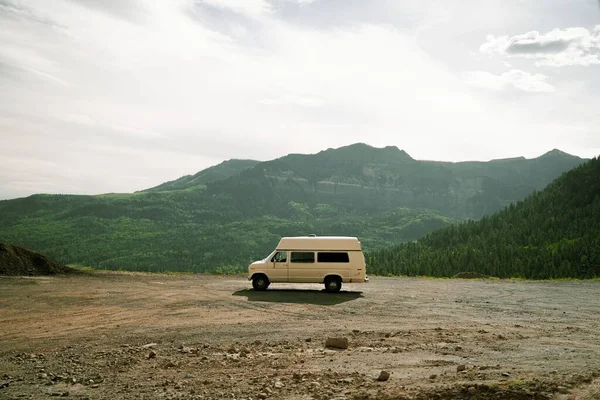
109,335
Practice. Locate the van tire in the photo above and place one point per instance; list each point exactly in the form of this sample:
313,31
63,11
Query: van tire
333,284
260,282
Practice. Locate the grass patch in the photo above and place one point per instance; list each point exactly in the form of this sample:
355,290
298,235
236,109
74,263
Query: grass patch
80,267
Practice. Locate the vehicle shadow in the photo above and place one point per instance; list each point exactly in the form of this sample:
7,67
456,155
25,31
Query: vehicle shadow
299,296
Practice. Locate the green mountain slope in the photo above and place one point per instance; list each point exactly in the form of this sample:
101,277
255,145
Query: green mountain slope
185,230
211,174
368,179
554,233
231,214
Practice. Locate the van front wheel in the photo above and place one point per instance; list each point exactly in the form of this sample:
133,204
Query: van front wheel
260,282
333,284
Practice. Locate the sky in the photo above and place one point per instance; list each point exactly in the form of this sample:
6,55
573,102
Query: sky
122,95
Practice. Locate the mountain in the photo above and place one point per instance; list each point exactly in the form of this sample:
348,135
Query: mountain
226,216
554,233
211,174
361,177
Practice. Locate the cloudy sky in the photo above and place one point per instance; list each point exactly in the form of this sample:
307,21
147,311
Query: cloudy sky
119,95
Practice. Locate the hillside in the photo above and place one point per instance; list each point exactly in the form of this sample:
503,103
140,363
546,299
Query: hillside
554,233
222,218
198,180
17,261
369,179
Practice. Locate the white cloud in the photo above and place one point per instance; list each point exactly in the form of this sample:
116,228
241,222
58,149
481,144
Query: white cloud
249,7
301,3
558,48
511,79
299,100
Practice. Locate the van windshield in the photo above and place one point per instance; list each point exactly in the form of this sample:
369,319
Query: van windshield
269,256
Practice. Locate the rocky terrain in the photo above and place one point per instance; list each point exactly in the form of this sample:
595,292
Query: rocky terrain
18,261
152,336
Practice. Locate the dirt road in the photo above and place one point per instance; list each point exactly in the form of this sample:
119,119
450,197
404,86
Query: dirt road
151,336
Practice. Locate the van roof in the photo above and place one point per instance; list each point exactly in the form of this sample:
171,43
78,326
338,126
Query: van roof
319,243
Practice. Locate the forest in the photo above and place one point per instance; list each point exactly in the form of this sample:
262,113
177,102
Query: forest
553,233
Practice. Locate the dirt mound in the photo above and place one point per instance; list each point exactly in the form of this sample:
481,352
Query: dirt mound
470,275
17,261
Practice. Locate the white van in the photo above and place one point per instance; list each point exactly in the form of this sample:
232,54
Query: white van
311,259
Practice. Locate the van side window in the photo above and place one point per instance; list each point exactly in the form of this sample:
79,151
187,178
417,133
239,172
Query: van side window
303,257
333,257
280,256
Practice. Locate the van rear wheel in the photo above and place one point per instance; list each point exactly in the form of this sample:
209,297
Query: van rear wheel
260,282
333,284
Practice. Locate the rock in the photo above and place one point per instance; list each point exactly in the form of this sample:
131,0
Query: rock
152,354
278,384
149,345
432,376
95,385
562,390
458,348
461,367
4,385
501,337
232,350
262,396
506,374
337,343
308,340
383,376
